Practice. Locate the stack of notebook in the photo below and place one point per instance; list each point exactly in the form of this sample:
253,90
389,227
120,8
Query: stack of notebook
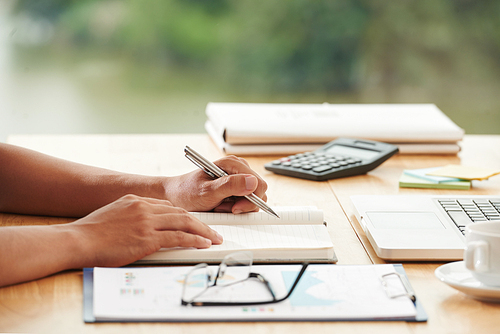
282,129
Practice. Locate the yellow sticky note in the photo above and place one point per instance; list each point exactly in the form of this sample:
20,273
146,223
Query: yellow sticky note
465,172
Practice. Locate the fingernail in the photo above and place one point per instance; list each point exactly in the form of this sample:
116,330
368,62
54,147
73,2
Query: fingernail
237,212
219,237
207,243
250,182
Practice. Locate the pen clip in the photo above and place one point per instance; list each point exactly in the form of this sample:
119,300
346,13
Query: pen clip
207,165
406,285
201,166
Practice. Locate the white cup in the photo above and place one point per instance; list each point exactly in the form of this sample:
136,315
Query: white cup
482,252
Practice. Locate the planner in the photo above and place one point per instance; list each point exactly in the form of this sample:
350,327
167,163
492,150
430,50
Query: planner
323,293
299,235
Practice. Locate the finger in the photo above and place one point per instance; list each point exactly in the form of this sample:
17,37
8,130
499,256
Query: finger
188,224
232,160
171,239
226,206
244,205
150,205
234,165
234,185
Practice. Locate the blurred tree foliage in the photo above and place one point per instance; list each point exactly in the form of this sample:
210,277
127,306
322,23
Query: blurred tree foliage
291,46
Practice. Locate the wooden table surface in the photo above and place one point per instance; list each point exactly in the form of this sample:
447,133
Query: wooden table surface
54,304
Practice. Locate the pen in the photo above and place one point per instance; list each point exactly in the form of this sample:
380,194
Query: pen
215,172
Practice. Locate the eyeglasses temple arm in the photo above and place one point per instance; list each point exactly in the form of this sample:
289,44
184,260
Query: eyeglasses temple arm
265,281
304,267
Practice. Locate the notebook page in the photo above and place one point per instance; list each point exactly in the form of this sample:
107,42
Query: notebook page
252,237
265,241
288,215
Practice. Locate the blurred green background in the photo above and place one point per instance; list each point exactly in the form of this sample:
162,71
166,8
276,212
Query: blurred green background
151,66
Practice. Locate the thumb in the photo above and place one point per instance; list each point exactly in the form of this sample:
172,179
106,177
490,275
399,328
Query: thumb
235,185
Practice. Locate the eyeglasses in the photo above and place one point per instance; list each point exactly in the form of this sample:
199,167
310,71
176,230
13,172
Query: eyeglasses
234,268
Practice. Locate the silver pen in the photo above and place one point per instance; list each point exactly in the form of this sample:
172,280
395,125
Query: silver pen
215,172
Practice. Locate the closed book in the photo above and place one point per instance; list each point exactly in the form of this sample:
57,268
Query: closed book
268,123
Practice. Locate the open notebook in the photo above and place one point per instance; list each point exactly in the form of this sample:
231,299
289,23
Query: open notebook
300,235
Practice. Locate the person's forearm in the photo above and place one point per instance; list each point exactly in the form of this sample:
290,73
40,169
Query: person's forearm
37,184
115,235
30,252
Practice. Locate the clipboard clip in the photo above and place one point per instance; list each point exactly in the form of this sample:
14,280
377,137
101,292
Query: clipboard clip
404,281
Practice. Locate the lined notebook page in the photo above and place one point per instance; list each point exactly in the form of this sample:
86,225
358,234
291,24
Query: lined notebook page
250,237
288,215
300,233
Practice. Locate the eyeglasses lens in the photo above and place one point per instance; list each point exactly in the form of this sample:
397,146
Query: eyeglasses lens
196,283
234,268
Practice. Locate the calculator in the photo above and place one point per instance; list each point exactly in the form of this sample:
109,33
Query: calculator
339,158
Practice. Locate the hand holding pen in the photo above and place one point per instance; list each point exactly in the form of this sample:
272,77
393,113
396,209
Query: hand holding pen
215,172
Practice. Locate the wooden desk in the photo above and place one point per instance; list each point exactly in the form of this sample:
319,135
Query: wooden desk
54,304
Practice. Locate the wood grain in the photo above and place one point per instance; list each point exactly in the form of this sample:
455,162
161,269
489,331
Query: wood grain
54,304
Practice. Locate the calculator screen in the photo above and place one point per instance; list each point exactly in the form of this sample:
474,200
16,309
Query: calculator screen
352,151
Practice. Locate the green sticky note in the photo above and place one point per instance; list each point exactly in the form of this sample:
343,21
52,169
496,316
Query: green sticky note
422,173
407,181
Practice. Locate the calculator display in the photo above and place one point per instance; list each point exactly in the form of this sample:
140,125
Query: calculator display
346,150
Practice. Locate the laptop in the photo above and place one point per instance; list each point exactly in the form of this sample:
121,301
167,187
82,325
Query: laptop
421,227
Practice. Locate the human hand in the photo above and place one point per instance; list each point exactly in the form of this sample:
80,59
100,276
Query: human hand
132,227
196,191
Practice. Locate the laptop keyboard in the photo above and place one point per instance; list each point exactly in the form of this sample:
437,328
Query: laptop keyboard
469,211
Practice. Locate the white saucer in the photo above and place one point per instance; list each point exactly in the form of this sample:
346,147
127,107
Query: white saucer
457,276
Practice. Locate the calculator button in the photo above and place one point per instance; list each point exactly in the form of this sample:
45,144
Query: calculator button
324,163
322,168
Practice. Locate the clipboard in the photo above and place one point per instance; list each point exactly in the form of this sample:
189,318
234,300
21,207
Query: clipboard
88,305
